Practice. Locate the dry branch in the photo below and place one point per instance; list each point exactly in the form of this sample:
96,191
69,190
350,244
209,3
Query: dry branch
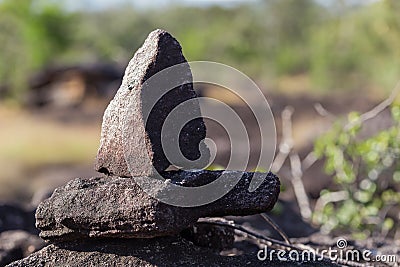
298,187
286,144
377,109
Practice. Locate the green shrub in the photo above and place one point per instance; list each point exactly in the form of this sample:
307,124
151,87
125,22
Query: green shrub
367,171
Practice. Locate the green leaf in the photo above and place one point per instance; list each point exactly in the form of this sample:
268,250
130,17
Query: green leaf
396,112
396,176
388,224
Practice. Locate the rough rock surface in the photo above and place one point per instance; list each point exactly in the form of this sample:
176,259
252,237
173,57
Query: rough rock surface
133,120
166,251
15,245
117,207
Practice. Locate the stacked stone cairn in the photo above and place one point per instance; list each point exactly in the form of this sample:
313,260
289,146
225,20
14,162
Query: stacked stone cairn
110,220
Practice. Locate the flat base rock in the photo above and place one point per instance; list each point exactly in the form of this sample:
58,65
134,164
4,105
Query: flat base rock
166,251
117,207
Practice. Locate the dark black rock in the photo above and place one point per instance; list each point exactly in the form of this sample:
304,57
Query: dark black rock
132,122
15,245
117,207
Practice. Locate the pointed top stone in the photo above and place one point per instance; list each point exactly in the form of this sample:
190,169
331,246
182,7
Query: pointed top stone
131,139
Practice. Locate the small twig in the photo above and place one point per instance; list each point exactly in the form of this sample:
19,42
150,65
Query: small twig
276,228
286,144
231,224
308,161
270,241
397,234
329,198
285,149
382,215
377,109
323,111
298,187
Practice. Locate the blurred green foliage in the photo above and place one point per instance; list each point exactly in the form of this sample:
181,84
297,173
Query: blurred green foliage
31,35
336,46
367,170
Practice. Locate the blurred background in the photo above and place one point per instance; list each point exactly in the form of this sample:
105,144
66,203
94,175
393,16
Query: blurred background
62,61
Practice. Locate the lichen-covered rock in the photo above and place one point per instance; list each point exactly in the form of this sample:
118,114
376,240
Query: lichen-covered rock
132,122
117,207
